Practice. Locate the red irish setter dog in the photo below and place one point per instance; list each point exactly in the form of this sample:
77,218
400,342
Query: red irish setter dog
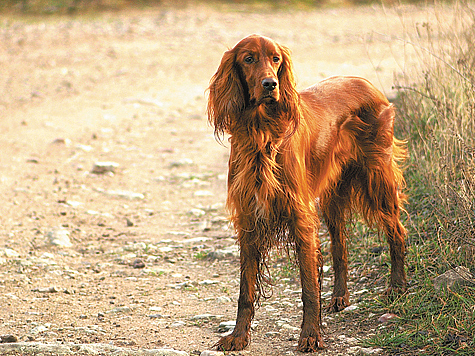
329,147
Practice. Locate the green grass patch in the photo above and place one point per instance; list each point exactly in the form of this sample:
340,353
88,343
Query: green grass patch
201,255
427,323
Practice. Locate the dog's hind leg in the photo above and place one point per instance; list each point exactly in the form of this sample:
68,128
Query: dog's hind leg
334,206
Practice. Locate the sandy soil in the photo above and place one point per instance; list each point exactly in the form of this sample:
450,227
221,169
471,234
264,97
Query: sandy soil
152,261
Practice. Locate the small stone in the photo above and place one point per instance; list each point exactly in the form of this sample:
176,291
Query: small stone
62,142
369,351
104,167
92,212
9,253
206,317
453,279
197,212
180,286
354,350
271,334
59,237
290,327
158,316
226,326
211,353
47,255
376,251
47,290
225,253
387,317
124,194
222,300
85,148
194,240
347,339
208,282
281,322
350,308
8,338
138,263
123,309
129,222
177,324
39,329
271,309
203,193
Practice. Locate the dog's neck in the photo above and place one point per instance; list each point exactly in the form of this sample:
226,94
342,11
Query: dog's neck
262,124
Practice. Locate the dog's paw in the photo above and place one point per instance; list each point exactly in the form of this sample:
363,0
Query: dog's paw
232,343
338,304
310,342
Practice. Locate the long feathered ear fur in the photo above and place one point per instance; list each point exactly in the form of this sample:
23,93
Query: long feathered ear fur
290,99
226,95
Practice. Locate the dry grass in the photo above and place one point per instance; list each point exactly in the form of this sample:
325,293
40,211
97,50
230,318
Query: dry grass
437,106
437,116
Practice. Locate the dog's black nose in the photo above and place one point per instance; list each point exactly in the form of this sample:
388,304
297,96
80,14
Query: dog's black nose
269,84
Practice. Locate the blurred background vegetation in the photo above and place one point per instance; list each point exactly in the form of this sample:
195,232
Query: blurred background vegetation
74,6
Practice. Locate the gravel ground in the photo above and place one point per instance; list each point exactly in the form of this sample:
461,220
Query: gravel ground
113,235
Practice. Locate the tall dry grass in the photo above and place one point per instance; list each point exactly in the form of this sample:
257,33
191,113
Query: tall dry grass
437,116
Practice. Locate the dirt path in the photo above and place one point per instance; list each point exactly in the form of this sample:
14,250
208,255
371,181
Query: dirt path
152,261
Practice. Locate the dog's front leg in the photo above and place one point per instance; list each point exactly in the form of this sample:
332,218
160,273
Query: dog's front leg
240,337
310,263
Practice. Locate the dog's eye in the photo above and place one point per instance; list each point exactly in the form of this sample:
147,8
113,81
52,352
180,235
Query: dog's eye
276,59
249,59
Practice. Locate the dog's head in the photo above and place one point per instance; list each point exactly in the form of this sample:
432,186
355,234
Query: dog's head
257,71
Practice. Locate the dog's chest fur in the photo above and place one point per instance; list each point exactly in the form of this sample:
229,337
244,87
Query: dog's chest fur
260,186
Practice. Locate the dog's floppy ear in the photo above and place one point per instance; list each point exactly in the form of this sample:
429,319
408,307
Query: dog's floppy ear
288,91
226,96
